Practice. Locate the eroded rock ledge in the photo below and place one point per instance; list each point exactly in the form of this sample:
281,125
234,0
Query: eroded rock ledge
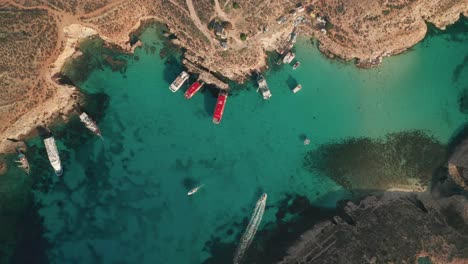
393,229
369,30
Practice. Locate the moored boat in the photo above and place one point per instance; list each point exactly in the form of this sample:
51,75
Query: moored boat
297,88
24,164
288,57
177,83
296,65
219,109
90,124
193,89
263,87
52,153
194,190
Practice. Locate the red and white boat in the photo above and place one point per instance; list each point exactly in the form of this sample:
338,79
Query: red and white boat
219,109
193,89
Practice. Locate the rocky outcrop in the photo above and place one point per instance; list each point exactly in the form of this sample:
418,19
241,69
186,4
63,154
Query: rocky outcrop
369,30
397,228
458,164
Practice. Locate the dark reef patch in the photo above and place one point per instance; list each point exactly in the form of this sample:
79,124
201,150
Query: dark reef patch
457,72
363,163
95,55
458,32
463,101
210,93
270,243
32,246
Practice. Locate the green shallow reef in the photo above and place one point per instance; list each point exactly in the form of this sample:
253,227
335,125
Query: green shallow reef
124,199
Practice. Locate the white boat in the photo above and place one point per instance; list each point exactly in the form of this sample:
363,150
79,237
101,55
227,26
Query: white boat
24,164
194,190
296,65
288,57
297,88
177,83
52,153
306,141
263,87
90,124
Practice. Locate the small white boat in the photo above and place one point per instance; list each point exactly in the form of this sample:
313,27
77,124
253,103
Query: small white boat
306,141
296,65
177,83
24,164
194,190
297,88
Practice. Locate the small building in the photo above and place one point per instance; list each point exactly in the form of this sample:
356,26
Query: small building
219,31
281,20
293,37
300,8
223,44
298,20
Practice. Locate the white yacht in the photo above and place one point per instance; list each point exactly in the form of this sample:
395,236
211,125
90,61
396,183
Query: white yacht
177,83
52,153
263,87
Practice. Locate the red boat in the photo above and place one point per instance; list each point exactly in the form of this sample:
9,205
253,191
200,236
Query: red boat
218,112
193,89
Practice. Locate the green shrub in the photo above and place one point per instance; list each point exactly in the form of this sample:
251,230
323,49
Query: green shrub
243,36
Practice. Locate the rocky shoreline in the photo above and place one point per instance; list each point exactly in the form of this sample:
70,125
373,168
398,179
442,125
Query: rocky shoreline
381,30
395,228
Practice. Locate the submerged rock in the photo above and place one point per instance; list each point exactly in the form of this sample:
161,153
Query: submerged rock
3,168
458,160
404,160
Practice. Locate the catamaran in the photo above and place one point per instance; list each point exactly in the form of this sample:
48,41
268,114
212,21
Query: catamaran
219,109
297,88
263,87
177,83
24,164
90,124
53,155
193,89
194,190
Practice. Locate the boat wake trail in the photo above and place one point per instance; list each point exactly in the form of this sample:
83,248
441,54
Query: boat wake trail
249,233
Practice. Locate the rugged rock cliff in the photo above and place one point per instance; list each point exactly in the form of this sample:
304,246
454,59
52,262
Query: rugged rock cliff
397,228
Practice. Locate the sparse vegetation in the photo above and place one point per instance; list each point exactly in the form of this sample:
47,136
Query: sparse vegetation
235,5
243,36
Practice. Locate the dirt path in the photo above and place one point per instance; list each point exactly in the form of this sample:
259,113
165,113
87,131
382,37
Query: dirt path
103,9
198,23
234,33
220,11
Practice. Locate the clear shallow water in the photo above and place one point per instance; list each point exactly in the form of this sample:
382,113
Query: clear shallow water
123,200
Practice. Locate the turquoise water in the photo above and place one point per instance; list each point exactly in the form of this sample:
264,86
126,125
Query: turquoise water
123,200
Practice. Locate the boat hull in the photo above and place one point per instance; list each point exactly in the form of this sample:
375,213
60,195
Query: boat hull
219,109
193,89
178,82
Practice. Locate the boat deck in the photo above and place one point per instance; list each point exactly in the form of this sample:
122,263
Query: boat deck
219,109
193,89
